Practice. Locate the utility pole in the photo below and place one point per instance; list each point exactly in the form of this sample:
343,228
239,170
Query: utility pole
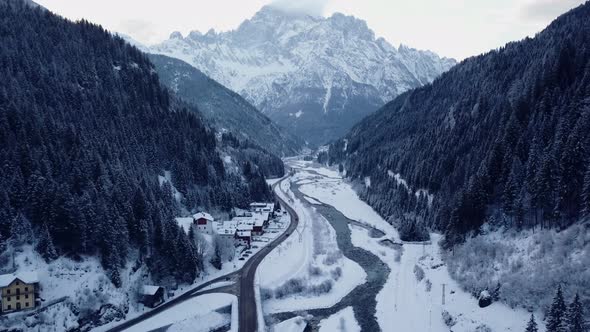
443,294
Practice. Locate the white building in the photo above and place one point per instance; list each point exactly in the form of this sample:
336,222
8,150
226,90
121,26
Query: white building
204,222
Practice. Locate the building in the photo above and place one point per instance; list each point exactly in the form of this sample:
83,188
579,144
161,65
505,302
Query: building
204,222
258,228
262,207
151,296
19,291
243,238
226,229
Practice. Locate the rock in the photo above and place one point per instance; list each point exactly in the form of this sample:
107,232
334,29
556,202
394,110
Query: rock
485,299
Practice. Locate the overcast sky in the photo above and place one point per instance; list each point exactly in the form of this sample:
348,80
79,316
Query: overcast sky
452,28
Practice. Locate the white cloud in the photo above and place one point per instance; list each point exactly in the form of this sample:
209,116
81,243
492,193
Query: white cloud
544,10
309,7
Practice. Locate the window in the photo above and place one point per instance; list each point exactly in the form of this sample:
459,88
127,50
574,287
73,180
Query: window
8,299
17,291
26,304
26,296
9,307
17,297
8,291
26,289
17,283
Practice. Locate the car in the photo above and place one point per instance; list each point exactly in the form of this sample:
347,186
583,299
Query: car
241,258
248,251
254,247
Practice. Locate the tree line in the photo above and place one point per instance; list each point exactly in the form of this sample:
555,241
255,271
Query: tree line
86,129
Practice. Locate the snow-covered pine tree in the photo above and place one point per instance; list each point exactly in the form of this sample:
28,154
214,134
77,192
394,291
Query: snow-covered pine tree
557,312
575,316
21,230
45,244
532,325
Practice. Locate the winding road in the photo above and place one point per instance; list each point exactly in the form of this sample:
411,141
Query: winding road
245,278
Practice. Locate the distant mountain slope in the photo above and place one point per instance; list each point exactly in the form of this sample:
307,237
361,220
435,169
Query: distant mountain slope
225,109
501,138
315,76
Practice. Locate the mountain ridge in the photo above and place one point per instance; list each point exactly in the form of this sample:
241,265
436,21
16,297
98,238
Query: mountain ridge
313,75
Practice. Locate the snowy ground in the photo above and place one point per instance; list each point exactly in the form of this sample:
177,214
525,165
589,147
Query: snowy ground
295,324
406,303
83,282
309,255
331,189
196,314
342,321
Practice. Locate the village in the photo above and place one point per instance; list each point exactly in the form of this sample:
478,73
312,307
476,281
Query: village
245,232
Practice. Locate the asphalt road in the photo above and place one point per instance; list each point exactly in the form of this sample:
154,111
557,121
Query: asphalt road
246,277
247,300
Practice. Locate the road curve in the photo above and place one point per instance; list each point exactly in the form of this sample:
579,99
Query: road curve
246,300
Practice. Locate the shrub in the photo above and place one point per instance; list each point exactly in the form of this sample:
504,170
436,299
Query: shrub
336,273
428,285
448,319
419,273
315,271
292,286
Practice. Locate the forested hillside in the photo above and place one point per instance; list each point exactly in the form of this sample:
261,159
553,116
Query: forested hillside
501,138
85,131
225,109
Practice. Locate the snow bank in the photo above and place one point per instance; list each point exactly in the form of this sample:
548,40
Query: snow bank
196,314
310,258
295,324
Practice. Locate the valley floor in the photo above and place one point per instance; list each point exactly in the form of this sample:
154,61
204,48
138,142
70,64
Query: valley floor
411,298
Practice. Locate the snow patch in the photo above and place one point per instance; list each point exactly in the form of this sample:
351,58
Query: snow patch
343,321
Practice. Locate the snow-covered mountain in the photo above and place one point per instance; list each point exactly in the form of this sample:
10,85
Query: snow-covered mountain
316,76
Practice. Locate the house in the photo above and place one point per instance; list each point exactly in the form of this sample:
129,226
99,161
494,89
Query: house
262,207
151,296
243,238
241,213
226,229
19,291
259,225
204,222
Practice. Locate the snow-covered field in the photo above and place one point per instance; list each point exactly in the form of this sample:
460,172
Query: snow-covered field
197,314
407,303
343,321
331,189
295,324
309,258
83,282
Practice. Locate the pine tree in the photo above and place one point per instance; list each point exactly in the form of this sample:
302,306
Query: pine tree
557,312
21,230
45,245
575,316
532,325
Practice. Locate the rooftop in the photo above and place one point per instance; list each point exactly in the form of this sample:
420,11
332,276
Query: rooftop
26,277
203,215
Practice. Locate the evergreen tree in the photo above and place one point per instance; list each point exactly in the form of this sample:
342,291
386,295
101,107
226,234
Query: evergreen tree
532,325
556,316
21,230
575,316
45,245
